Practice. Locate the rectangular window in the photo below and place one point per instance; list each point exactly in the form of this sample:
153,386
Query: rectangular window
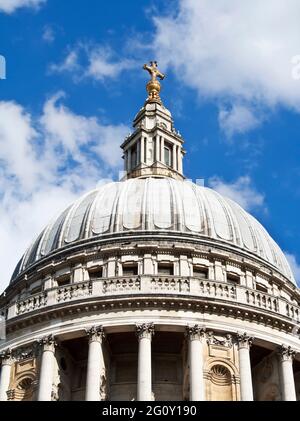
200,272
165,269
233,279
64,280
133,157
262,288
36,290
168,156
96,274
130,270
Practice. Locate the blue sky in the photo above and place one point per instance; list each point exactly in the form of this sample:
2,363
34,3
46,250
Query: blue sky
74,82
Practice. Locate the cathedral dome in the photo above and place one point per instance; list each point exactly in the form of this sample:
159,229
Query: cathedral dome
152,207
151,253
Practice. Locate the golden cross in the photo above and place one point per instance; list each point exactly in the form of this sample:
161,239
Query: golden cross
153,70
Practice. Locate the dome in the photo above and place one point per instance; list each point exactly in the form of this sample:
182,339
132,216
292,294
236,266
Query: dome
156,206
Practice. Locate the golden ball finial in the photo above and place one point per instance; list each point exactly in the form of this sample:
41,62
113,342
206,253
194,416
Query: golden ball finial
153,86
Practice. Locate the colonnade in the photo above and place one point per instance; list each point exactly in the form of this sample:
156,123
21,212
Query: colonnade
96,371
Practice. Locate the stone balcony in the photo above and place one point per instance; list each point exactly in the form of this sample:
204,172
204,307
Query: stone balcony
172,287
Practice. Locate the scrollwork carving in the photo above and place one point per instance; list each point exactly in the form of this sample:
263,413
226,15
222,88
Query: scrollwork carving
195,332
145,330
286,353
244,340
95,334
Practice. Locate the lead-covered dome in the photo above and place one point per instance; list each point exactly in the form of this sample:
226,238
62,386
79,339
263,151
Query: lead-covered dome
157,206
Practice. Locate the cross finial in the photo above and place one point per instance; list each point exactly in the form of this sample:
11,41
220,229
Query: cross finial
153,86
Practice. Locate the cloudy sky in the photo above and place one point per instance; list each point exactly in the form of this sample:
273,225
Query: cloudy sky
74,83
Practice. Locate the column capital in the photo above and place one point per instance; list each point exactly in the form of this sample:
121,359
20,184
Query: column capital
195,332
6,357
244,340
48,343
286,353
145,330
95,334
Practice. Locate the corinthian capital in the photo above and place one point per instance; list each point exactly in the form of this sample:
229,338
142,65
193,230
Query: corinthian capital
244,341
195,332
145,330
6,356
96,334
286,353
48,343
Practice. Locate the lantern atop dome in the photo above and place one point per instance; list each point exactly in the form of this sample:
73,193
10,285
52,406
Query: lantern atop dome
155,148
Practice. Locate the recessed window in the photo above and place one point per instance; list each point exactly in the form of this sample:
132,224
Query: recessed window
200,272
36,290
168,155
96,274
233,279
130,270
64,280
261,288
133,156
165,269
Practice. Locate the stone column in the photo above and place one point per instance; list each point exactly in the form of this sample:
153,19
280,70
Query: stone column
179,160
96,373
144,333
48,345
286,356
142,149
157,147
6,365
174,158
244,344
162,149
196,336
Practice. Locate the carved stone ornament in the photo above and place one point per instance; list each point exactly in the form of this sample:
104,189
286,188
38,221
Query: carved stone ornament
26,352
6,356
48,343
244,341
145,330
286,353
95,334
103,386
213,339
195,332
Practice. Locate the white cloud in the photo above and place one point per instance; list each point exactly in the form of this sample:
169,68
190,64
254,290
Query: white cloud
48,34
102,65
295,266
240,191
46,162
10,6
69,64
237,119
234,50
96,62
